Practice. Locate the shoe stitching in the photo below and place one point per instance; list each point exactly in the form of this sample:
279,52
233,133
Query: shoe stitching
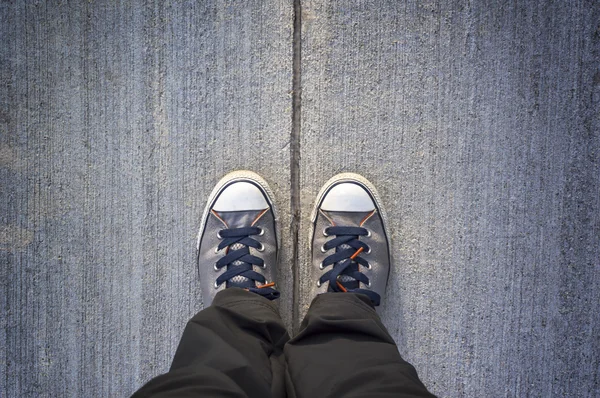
214,213
364,220
259,216
327,217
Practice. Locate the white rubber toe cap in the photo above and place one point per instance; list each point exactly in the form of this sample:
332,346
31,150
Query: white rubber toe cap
241,196
347,196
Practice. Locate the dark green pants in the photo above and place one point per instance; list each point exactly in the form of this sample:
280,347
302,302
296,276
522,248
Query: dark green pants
239,347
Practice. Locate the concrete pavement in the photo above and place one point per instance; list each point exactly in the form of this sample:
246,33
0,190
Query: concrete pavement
478,123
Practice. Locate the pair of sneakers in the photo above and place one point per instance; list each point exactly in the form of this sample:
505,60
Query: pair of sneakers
239,238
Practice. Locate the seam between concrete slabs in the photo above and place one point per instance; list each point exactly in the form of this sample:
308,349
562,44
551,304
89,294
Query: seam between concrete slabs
295,156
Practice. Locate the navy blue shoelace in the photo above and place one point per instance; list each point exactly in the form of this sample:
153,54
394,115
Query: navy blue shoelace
345,274
244,260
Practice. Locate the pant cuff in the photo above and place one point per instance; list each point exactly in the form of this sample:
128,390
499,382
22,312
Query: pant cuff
234,296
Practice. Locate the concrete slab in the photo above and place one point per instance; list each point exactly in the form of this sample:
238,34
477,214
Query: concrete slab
478,122
116,120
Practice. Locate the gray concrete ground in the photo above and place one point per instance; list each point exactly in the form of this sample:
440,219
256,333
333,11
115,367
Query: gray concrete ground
116,122
479,124
477,121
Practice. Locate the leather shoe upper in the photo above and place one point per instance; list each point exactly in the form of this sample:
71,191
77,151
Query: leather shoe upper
237,243
349,243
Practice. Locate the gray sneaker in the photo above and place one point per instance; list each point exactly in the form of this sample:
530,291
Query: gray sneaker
238,238
349,240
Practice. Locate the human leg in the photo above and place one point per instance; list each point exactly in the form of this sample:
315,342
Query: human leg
343,349
234,346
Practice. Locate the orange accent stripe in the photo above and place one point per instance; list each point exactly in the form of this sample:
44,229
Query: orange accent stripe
367,217
327,217
267,285
259,216
341,286
352,257
219,217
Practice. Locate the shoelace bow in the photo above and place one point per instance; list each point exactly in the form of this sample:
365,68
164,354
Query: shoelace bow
345,261
242,236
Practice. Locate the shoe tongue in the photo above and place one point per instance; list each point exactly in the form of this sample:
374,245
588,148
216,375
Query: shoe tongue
239,281
347,218
239,219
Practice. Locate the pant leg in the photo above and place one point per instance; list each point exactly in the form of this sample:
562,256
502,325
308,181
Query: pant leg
234,348
343,350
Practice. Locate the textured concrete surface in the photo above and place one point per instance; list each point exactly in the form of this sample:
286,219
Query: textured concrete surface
479,124
115,123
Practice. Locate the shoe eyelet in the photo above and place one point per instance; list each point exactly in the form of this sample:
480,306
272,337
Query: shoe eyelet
262,231
318,283
368,251
264,266
261,248
219,235
321,266
216,285
369,266
323,250
325,231
217,249
216,268
368,284
368,233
